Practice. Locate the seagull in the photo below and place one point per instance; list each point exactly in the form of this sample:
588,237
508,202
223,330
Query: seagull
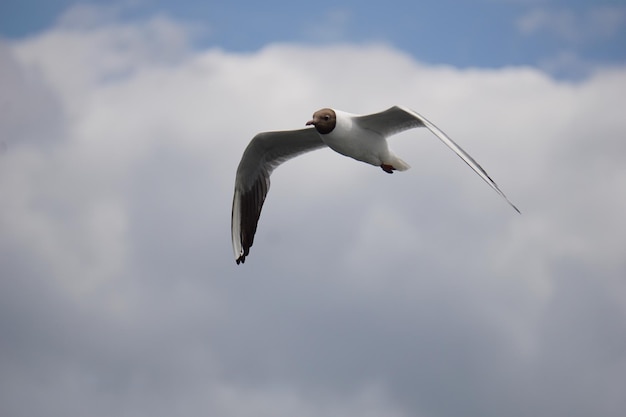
362,137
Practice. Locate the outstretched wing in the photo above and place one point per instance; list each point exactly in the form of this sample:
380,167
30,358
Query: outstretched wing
265,152
398,119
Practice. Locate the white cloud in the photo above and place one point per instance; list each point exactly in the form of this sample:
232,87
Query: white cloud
72,58
418,293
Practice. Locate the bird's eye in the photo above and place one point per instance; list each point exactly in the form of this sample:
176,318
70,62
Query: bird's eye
327,117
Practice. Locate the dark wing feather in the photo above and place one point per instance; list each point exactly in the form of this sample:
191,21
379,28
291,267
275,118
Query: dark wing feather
265,152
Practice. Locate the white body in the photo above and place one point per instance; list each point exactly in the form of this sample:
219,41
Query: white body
363,144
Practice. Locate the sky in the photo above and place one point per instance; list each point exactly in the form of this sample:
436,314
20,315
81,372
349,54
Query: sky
568,38
420,293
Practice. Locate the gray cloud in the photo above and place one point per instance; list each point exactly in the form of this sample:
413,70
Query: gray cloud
418,293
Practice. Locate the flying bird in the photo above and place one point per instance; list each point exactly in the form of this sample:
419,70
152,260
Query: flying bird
363,138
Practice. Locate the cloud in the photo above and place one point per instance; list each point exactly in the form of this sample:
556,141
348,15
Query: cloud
418,293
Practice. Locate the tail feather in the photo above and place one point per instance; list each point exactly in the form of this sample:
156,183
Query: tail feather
397,163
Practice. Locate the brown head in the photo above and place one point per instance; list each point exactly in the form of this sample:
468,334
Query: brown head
324,121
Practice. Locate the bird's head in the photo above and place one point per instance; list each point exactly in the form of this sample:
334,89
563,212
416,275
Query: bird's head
324,121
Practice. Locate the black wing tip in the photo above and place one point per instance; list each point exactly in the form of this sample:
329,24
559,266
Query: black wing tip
242,258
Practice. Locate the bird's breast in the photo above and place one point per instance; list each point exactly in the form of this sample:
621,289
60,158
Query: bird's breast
361,144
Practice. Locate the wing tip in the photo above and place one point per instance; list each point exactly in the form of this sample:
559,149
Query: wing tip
240,257
507,199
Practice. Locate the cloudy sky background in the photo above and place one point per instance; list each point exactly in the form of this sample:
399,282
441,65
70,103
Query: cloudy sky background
415,294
